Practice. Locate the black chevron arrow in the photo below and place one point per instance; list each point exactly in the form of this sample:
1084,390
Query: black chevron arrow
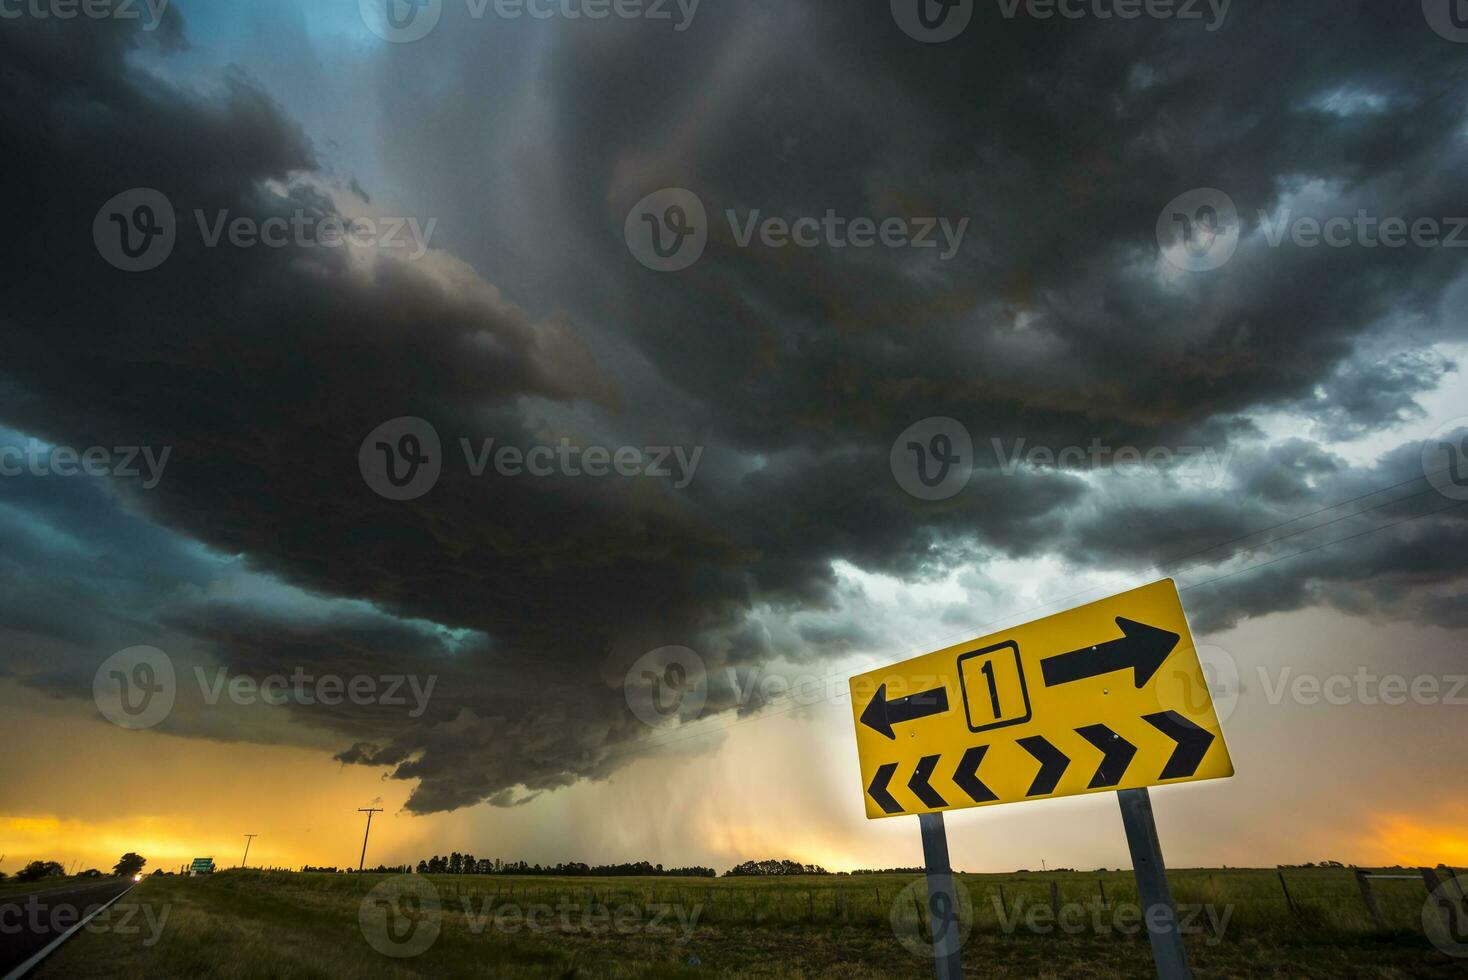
919,782
1053,764
1117,754
966,776
882,714
1142,649
878,789
1192,743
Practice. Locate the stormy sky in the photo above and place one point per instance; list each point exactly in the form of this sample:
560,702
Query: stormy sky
1296,411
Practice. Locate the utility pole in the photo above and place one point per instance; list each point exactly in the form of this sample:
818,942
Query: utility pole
369,811
249,839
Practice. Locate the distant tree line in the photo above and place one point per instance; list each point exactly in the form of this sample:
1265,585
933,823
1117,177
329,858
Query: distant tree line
381,869
773,868
467,864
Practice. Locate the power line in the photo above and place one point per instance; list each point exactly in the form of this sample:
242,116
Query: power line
658,743
1161,567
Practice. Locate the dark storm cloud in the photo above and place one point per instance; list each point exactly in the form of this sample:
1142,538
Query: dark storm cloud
796,369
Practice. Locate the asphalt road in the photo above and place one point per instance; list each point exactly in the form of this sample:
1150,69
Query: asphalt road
28,922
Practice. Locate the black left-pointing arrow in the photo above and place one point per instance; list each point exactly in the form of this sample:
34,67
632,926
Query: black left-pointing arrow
1192,743
878,789
920,786
1117,754
966,776
882,714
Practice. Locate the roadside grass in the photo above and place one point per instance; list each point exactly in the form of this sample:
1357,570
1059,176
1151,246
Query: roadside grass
247,924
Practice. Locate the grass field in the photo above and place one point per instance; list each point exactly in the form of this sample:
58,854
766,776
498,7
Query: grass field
274,924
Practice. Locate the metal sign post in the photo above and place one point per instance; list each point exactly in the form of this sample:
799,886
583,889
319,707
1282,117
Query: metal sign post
1157,907
942,900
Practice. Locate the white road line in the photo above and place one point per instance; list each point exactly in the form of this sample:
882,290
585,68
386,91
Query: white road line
34,961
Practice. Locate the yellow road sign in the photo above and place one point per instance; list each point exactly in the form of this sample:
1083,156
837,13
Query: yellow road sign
1105,697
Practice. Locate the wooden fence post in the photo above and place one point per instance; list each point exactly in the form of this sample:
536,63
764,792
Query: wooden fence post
1288,899
1370,899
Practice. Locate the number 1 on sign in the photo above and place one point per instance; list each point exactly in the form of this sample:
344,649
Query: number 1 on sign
994,690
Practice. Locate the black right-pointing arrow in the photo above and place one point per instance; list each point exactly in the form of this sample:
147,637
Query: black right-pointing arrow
1192,743
1117,754
966,776
1053,764
878,789
919,782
